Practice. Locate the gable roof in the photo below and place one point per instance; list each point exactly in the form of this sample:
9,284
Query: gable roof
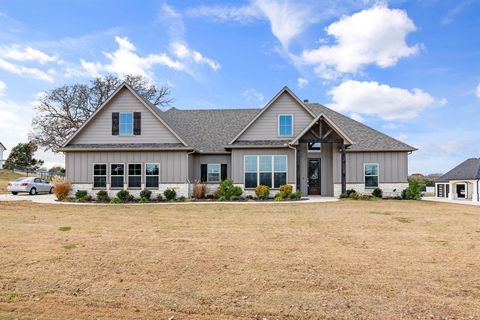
268,105
151,107
467,170
330,123
1,144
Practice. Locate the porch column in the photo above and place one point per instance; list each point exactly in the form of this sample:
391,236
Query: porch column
344,169
451,193
297,167
475,191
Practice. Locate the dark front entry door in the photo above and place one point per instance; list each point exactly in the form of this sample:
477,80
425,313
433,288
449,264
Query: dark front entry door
314,176
460,190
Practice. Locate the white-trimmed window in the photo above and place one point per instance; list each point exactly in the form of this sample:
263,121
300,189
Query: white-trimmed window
285,125
265,170
100,175
134,175
126,123
213,172
371,175
152,175
117,174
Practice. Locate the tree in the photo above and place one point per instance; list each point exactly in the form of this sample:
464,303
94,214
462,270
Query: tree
56,171
61,111
21,156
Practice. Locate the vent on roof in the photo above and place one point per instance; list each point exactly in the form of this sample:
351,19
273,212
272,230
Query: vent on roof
305,100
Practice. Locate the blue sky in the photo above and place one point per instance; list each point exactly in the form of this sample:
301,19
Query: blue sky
407,68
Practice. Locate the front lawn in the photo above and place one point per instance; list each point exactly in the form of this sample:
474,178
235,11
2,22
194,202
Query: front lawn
341,260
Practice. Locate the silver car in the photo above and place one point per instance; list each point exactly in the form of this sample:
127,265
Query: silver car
30,185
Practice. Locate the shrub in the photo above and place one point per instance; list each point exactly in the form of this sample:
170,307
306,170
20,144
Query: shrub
297,195
102,196
87,198
227,189
123,195
237,198
130,198
249,197
80,194
377,193
159,198
354,195
221,199
170,194
262,192
199,191
61,187
116,200
287,189
181,199
344,196
281,196
349,192
144,200
413,191
145,193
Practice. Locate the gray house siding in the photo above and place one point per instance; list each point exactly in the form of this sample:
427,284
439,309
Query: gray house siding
100,129
265,127
173,164
393,166
199,159
238,162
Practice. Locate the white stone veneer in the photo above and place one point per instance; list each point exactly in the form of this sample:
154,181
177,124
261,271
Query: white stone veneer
387,188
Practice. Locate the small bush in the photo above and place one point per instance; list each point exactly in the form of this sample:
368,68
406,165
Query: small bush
123,195
87,198
145,193
102,196
199,191
413,191
262,192
159,198
350,191
377,193
297,195
130,198
221,199
170,194
227,189
116,201
61,187
287,189
281,196
354,195
80,194
344,196
144,200
181,199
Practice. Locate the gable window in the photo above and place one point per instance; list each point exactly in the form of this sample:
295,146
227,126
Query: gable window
100,175
134,175
265,170
152,175
371,175
314,146
213,172
126,123
285,125
117,172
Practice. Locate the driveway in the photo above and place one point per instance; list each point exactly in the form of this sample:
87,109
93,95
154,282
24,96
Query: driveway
444,200
40,198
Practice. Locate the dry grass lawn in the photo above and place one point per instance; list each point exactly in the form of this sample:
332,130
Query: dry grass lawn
345,260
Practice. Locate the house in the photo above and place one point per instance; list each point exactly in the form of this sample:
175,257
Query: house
2,148
460,183
128,143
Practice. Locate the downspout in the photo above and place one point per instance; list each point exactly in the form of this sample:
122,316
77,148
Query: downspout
478,194
296,171
188,173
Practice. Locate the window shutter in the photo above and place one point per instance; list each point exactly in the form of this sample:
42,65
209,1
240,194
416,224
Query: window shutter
115,123
203,172
223,171
137,123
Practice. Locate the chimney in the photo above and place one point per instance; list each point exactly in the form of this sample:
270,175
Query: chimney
305,100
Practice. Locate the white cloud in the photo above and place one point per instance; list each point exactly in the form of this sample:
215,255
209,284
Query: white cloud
302,82
182,52
227,13
3,87
16,52
253,95
372,98
478,91
27,72
357,117
372,36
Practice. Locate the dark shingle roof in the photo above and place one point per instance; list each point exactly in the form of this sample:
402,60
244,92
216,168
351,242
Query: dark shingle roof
208,130
467,170
261,142
364,138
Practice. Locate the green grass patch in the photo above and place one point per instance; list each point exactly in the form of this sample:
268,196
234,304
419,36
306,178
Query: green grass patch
8,296
69,246
65,228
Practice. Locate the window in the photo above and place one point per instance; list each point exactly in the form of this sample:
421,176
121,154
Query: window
285,125
126,123
152,173
371,175
314,146
99,175
134,175
265,170
116,175
213,172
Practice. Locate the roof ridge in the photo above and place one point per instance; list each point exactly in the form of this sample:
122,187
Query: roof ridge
219,109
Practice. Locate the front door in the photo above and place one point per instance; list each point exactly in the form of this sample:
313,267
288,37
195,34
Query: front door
314,176
460,191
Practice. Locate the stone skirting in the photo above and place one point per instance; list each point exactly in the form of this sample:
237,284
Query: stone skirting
387,188
180,188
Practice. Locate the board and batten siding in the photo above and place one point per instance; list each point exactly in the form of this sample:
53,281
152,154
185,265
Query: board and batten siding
173,164
266,126
198,159
393,166
238,162
99,130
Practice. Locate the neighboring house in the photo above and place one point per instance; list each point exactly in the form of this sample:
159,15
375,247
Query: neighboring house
128,143
2,148
460,183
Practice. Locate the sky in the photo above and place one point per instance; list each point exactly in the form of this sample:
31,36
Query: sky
410,69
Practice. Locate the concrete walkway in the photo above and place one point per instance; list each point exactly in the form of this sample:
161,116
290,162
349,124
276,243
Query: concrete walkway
445,200
51,199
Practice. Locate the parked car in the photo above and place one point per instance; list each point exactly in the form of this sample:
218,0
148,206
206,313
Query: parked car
30,185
